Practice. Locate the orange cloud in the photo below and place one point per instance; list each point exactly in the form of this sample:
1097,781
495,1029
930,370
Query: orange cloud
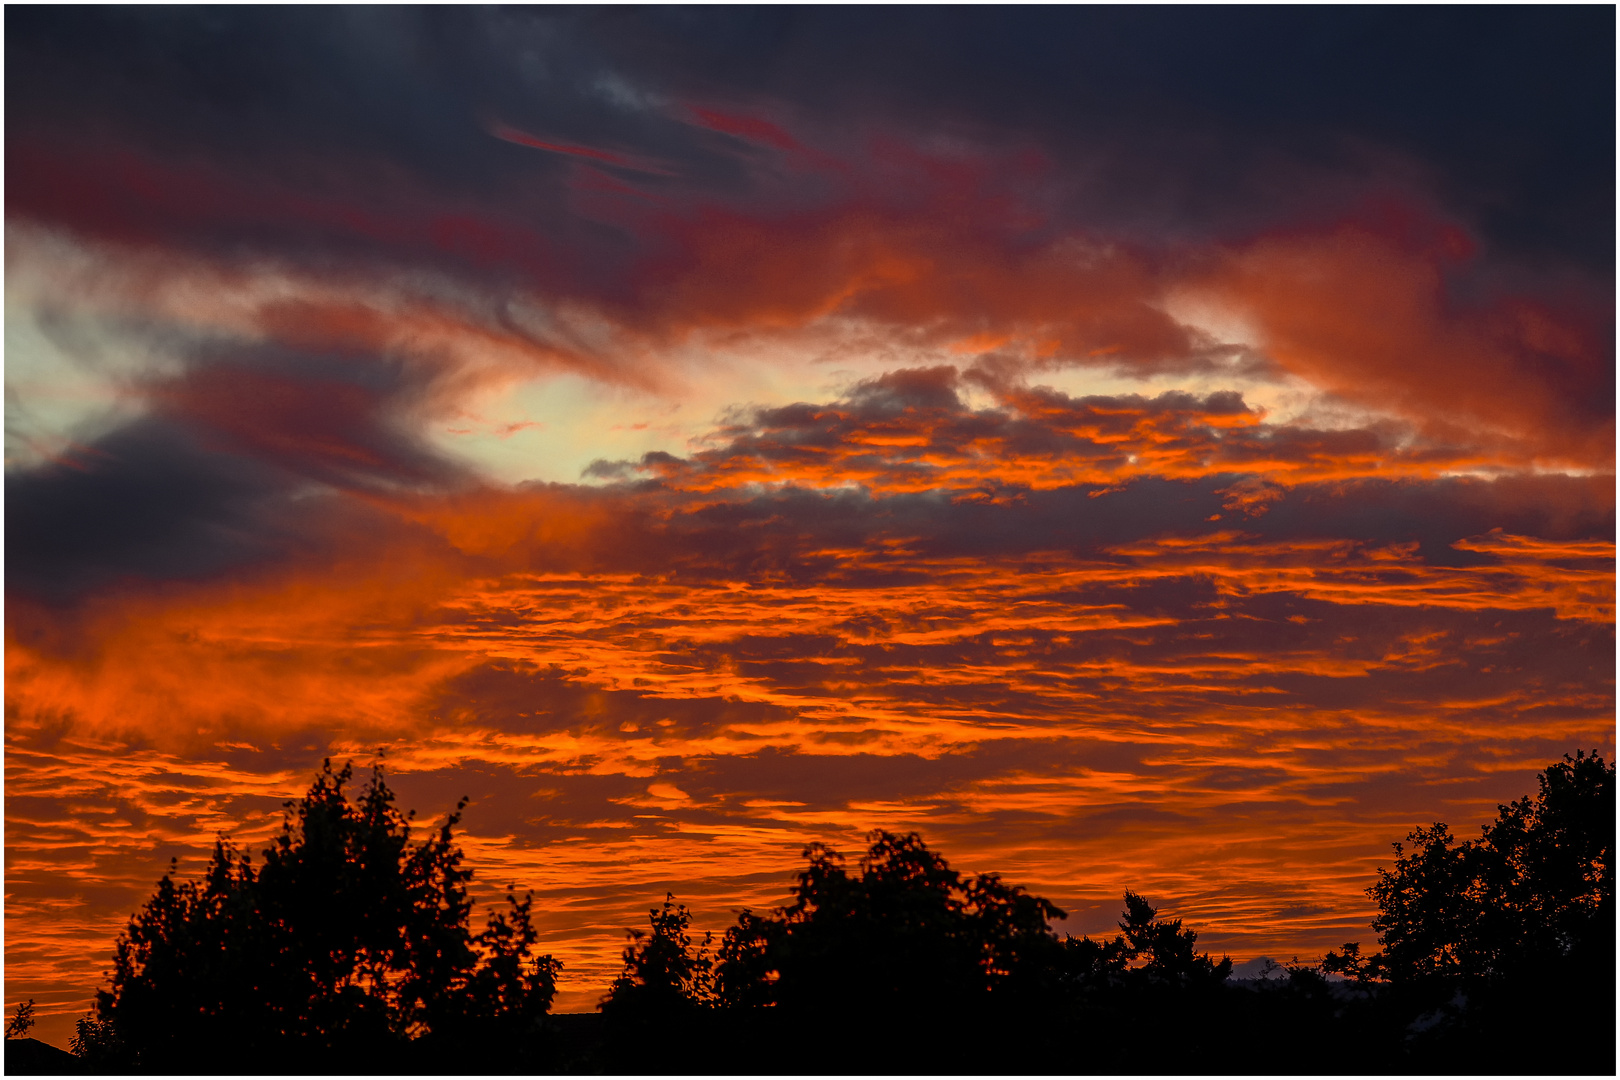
1367,315
908,431
1234,721
1163,641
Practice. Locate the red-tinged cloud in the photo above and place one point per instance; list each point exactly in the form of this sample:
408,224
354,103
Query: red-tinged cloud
941,251
607,157
752,128
1366,316
1357,313
1165,518
123,195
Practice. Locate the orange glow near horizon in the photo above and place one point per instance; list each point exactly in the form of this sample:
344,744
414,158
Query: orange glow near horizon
1224,776
685,500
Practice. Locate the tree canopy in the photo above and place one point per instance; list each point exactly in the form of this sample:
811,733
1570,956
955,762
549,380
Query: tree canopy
346,940
663,972
907,928
1537,887
946,958
346,948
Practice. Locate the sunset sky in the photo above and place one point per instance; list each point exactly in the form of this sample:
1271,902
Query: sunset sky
1132,447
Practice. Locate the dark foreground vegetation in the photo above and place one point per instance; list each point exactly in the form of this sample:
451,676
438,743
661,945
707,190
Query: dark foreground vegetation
347,949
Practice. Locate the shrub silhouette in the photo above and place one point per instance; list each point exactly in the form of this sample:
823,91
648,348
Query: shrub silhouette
347,943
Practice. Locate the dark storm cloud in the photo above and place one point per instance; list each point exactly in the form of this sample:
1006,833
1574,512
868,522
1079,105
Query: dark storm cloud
1508,110
146,500
237,463
920,406
1178,120
909,430
335,140
317,134
327,417
222,472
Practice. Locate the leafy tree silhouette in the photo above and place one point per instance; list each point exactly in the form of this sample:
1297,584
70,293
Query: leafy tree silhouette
658,1012
1012,936
662,970
1537,886
1490,943
1086,964
908,931
968,967
22,1021
349,942
745,973
96,1044
905,938
1169,949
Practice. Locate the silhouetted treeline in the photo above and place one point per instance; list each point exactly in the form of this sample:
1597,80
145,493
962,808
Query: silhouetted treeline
348,950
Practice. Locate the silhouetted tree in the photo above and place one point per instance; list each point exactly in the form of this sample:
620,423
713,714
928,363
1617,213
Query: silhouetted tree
96,1044
663,972
968,968
22,1021
1490,944
905,938
1087,964
1171,952
500,1005
658,1012
348,940
910,932
744,973
1350,963
906,932
1537,886
1012,936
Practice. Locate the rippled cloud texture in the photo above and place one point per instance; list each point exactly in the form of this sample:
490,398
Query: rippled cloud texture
1157,448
